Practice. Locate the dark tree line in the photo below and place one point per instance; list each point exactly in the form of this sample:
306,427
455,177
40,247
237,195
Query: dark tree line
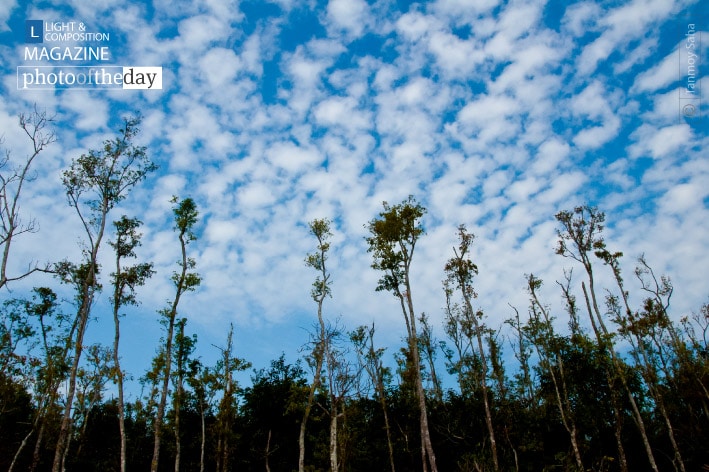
608,379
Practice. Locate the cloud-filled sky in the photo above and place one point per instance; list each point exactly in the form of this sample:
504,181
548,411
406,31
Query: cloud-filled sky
494,115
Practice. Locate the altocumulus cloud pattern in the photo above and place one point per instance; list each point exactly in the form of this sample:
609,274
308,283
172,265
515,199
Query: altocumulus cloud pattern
493,114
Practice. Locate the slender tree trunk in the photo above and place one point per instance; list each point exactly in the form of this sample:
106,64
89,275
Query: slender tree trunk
387,427
19,449
268,450
562,404
119,384
428,453
393,241
178,445
334,467
226,411
38,425
37,447
185,217
618,429
157,424
204,436
308,408
650,377
460,270
370,360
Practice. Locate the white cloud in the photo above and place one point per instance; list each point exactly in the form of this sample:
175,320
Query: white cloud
637,55
414,25
342,112
454,55
580,18
460,9
684,197
621,26
592,104
90,113
293,158
562,187
550,155
220,66
350,15
518,20
657,77
669,139
489,118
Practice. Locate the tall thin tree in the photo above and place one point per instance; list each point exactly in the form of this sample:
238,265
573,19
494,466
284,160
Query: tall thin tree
95,183
185,212
320,228
125,281
460,271
394,235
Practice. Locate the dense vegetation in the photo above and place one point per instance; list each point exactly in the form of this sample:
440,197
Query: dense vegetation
599,385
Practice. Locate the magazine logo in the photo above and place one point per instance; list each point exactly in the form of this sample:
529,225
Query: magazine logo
68,55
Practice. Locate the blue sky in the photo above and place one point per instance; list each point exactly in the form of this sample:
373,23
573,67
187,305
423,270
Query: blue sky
495,115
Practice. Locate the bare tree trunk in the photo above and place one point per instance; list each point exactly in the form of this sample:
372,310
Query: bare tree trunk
19,450
621,375
160,414
178,445
387,427
615,402
119,384
308,408
268,450
334,466
201,448
37,447
429,455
